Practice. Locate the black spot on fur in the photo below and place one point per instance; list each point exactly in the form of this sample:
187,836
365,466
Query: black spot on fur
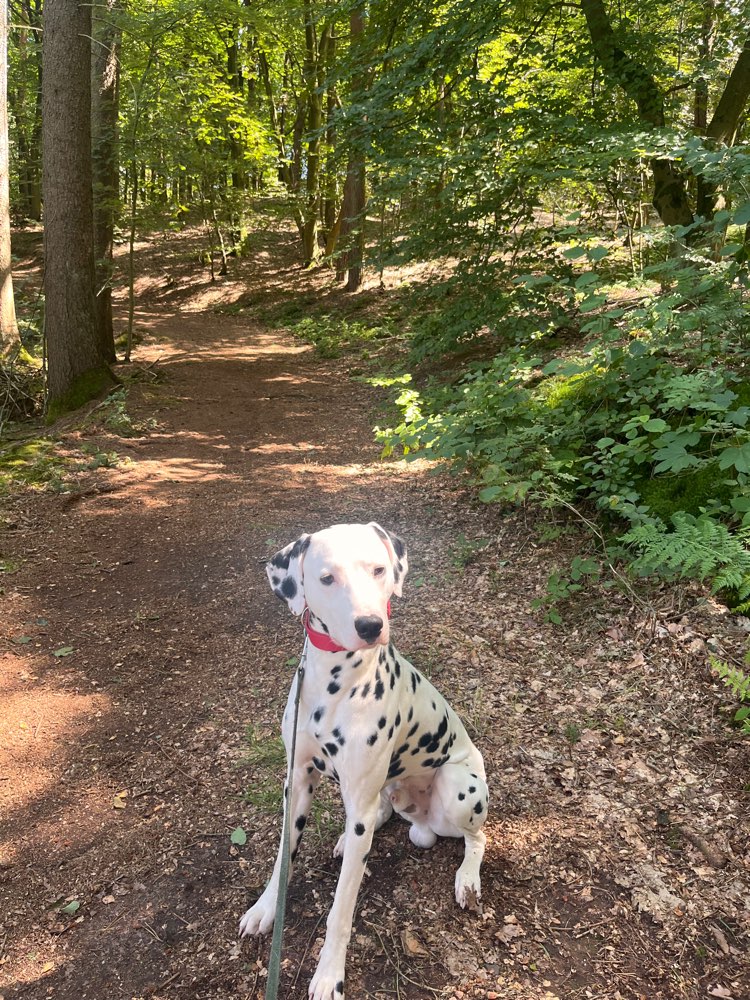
413,729
428,762
461,796
340,987
289,588
335,671
365,857
357,664
359,829
320,764
397,720
318,714
353,691
410,716
371,739
403,748
300,822
350,654
390,732
366,690
381,722
379,690
393,681
338,737
478,808
414,680
332,749
472,789
333,687
310,788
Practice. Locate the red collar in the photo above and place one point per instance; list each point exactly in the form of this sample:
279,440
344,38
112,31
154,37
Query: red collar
320,639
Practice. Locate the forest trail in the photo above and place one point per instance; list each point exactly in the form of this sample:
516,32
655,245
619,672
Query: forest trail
614,850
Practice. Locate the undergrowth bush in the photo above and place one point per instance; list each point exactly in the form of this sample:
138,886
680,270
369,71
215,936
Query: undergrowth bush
637,403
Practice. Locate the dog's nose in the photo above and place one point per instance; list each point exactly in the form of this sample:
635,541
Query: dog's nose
368,627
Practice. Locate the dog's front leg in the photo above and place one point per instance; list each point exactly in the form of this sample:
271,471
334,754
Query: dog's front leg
361,815
259,918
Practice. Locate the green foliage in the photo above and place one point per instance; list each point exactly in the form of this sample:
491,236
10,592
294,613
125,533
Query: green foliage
333,336
561,586
700,547
738,682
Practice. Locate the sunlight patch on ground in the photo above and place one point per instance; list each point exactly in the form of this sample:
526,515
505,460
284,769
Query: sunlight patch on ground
31,730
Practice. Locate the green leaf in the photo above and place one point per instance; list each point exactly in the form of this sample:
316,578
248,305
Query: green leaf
742,215
489,493
238,837
598,253
656,425
71,908
592,302
21,640
730,248
739,457
574,253
64,651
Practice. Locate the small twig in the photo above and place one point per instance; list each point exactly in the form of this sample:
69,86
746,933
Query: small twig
714,856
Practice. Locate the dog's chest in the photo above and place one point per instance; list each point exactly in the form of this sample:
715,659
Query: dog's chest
379,717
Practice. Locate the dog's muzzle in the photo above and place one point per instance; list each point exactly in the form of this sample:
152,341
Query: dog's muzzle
368,627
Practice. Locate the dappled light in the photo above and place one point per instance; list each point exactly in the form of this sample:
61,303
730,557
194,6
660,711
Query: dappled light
477,273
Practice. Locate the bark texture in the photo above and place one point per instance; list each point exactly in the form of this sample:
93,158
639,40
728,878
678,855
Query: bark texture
105,84
77,369
8,326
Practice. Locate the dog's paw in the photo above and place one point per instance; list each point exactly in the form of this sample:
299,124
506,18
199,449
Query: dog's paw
338,851
327,985
468,891
258,919
422,836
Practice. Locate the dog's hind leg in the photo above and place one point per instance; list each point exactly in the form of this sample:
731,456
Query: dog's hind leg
259,918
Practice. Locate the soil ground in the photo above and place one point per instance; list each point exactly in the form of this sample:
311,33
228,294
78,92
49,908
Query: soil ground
144,663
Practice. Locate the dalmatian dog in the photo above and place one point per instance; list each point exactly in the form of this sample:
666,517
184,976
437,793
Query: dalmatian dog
369,720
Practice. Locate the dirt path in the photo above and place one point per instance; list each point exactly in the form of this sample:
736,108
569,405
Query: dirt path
616,857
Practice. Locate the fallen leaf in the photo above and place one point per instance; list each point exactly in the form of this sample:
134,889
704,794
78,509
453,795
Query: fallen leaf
238,836
63,651
411,943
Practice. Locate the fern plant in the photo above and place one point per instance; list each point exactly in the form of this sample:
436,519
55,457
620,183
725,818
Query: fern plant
738,683
697,547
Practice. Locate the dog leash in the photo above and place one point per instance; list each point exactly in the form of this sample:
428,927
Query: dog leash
274,960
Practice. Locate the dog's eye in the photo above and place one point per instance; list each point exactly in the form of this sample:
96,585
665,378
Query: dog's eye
379,571
326,580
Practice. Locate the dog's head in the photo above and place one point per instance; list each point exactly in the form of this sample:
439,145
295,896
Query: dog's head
346,575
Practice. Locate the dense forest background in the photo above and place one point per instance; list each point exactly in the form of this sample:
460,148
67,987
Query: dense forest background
579,170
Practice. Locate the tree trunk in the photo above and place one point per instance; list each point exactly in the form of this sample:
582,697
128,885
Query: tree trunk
670,195
352,229
77,371
9,341
314,72
105,80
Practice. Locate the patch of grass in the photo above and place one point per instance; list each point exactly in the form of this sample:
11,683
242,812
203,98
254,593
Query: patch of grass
333,335
267,757
33,464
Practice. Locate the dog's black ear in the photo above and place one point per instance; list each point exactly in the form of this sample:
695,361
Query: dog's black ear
285,575
397,551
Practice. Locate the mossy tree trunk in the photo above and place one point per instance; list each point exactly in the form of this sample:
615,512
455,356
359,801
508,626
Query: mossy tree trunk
77,368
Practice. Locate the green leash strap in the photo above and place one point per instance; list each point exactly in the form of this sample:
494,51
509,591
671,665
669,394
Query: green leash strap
274,961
